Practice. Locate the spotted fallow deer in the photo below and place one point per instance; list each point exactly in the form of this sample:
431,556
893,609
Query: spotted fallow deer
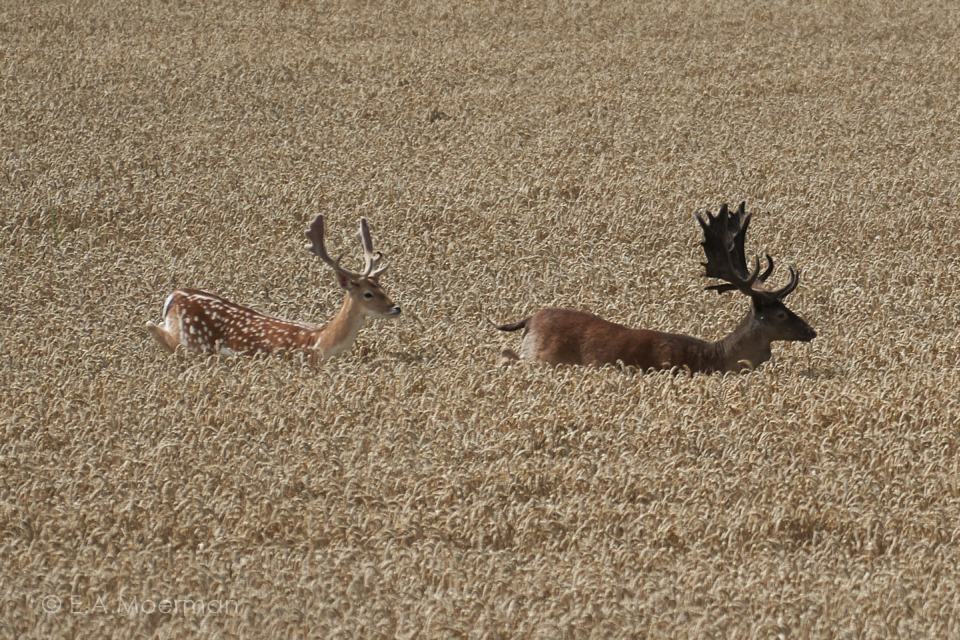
565,336
207,323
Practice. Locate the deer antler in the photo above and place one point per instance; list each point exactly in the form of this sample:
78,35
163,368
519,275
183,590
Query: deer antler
788,288
723,244
371,259
319,249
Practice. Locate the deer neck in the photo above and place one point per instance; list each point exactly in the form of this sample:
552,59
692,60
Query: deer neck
745,343
338,335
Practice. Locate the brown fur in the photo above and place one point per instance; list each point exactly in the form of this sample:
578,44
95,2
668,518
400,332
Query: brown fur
208,323
204,322
566,336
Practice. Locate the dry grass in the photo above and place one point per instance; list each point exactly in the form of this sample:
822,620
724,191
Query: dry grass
508,157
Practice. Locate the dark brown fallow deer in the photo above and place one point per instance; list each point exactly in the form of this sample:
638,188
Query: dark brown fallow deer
565,336
205,322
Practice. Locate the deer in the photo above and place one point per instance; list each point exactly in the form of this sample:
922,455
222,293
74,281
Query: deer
205,322
566,336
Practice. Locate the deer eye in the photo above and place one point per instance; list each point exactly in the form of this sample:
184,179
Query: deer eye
367,295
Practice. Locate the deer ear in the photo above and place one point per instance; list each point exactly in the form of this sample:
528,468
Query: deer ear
343,280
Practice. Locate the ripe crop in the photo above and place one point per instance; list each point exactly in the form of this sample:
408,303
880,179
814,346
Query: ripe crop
508,157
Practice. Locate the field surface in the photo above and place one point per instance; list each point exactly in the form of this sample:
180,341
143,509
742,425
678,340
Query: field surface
509,156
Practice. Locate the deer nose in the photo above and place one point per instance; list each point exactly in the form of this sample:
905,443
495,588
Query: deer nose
395,310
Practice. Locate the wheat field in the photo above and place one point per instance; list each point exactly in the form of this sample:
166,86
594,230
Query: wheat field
509,156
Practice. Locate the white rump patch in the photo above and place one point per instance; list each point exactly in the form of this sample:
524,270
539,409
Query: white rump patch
166,307
528,347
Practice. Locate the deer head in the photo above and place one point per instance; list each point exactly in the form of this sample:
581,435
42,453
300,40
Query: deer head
723,244
363,287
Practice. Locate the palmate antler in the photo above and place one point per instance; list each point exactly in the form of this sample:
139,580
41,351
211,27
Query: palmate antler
371,258
723,244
